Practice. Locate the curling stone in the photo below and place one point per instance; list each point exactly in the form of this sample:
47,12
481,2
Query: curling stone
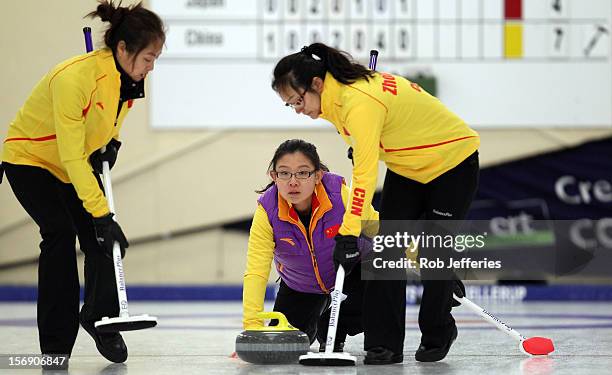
273,344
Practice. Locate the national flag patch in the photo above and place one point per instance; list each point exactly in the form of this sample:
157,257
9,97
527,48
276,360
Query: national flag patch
332,231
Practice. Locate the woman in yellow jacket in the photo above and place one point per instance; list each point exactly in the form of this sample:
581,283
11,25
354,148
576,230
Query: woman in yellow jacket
297,217
432,160
52,145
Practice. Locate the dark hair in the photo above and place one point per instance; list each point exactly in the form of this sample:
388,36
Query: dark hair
291,146
136,26
297,70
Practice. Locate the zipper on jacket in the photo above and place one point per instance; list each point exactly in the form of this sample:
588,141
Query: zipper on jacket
315,264
308,237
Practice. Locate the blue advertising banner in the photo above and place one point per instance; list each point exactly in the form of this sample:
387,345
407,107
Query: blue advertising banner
558,202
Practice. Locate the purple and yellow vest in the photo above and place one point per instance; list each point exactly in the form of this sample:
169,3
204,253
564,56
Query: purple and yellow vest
303,266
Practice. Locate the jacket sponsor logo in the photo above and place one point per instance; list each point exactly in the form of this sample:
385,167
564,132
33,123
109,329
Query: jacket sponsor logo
332,231
416,86
389,84
357,203
289,241
448,214
86,109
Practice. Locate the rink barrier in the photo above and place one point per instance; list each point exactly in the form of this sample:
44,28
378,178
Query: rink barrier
494,293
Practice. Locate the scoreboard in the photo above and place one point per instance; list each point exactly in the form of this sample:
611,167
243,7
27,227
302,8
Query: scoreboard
498,63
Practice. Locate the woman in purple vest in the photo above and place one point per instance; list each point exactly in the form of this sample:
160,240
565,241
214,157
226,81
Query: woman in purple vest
296,220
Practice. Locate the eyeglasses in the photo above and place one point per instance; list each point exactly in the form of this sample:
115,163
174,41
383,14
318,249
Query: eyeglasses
298,103
300,175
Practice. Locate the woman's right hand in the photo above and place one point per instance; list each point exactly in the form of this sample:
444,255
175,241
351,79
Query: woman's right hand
107,232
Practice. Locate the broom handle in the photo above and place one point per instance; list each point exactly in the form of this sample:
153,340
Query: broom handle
88,41
334,312
108,190
373,59
490,318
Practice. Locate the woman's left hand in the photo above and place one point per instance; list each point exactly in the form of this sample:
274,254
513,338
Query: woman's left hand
346,252
110,155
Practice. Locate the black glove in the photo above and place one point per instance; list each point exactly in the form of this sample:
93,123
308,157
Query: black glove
109,155
346,252
107,232
459,292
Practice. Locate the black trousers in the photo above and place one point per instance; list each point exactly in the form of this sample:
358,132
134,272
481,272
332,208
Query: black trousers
309,312
385,300
61,217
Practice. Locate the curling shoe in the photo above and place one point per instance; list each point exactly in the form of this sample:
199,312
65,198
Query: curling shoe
54,362
110,345
434,354
382,356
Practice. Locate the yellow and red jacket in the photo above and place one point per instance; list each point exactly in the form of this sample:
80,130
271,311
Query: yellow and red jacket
391,119
70,114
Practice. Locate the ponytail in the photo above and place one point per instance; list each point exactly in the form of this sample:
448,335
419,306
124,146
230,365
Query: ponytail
298,70
339,63
137,26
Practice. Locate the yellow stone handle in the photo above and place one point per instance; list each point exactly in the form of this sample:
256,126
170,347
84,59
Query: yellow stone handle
283,324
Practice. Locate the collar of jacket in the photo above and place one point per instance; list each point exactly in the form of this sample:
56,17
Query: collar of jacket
320,200
130,89
330,99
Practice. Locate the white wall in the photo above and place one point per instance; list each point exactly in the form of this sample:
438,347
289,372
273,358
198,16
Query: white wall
166,181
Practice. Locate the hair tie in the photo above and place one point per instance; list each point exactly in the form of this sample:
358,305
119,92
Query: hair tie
306,50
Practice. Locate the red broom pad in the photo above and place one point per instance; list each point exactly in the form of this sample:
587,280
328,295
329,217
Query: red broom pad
538,346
